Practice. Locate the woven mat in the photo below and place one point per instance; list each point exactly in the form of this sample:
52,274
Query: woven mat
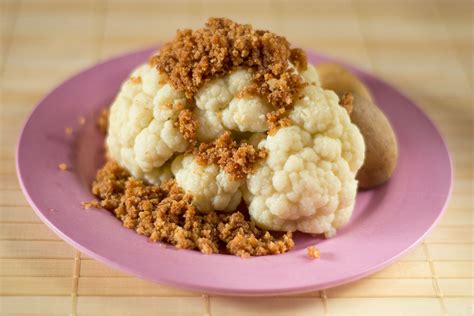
422,47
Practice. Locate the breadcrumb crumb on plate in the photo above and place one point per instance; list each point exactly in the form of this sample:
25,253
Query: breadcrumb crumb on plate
91,204
313,252
103,120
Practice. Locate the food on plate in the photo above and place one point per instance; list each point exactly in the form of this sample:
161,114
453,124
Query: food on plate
381,149
103,120
62,166
313,252
230,117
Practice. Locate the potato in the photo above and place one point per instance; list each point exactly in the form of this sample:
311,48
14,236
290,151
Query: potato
381,150
335,77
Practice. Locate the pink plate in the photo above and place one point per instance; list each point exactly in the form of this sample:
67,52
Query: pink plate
386,223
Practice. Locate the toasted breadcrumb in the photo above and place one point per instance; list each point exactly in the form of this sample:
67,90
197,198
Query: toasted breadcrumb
237,160
165,213
277,119
298,58
103,120
63,166
347,102
187,126
136,80
180,105
68,130
91,204
244,239
193,58
313,252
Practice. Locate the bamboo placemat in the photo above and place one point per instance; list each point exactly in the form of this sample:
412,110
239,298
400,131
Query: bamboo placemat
422,47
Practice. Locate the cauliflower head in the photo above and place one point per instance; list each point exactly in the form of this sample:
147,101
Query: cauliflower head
307,181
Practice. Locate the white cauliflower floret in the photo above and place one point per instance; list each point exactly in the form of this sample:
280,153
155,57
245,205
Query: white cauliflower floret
161,174
319,112
307,182
246,114
238,80
351,138
213,96
211,188
218,107
217,94
142,134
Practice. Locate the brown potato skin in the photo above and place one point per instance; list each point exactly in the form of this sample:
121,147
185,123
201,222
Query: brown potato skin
335,77
381,149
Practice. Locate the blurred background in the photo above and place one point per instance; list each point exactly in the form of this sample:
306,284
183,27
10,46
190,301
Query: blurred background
423,47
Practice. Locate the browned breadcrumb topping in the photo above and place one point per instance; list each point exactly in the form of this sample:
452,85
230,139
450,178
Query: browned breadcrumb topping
103,120
180,105
193,58
276,119
298,58
136,80
236,159
68,130
63,166
347,102
165,213
244,239
313,252
187,126
91,204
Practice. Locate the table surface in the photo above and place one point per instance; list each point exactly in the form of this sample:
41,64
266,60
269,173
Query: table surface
422,47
